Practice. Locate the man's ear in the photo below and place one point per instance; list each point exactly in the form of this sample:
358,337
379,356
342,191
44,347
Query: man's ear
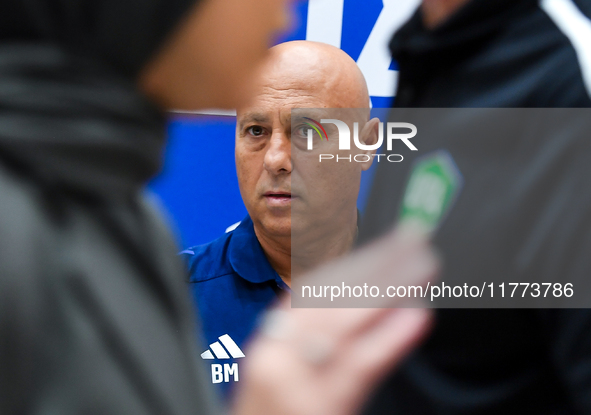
368,136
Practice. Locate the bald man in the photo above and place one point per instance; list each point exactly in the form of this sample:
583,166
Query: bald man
235,278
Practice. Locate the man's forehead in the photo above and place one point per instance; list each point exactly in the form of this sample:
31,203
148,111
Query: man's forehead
295,86
291,94
277,101
282,114
263,116
253,115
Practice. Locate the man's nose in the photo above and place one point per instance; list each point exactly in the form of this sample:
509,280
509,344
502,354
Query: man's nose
278,156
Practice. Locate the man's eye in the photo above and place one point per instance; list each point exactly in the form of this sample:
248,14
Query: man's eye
255,130
302,131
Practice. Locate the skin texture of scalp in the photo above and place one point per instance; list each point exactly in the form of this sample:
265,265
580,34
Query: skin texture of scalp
319,69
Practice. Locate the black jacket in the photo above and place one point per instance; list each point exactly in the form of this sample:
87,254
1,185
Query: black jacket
94,312
507,54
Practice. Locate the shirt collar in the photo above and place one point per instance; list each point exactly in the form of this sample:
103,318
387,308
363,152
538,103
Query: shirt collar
247,256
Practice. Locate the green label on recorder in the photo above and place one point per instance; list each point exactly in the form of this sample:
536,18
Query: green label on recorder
432,188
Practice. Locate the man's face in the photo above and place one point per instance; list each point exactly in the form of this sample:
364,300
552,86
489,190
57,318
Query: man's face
282,184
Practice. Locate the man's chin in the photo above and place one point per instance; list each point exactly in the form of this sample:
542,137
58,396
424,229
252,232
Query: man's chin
277,229
302,231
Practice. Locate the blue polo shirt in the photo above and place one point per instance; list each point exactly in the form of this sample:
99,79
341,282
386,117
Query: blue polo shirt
232,284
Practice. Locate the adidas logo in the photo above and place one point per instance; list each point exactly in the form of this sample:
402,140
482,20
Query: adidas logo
218,352
223,373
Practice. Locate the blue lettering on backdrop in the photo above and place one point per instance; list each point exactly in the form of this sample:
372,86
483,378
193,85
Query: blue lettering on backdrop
198,185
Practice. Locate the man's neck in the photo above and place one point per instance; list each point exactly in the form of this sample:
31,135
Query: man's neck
315,248
435,12
308,252
278,252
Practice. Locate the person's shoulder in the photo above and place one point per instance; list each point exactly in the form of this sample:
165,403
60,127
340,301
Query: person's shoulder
211,260
561,46
25,232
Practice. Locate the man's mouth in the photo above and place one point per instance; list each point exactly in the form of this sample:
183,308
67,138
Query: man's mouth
278,198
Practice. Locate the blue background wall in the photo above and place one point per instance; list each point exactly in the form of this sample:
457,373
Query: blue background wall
198,186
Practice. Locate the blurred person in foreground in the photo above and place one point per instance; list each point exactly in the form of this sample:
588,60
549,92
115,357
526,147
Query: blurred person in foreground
235,278
523,214
94,316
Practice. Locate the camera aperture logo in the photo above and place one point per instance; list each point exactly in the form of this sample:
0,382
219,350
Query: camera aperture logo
402,131
315,129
